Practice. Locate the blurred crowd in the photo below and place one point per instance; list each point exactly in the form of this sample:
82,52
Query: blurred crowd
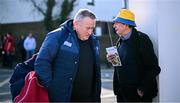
11,50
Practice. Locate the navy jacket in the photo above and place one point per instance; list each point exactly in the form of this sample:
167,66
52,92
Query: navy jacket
57,63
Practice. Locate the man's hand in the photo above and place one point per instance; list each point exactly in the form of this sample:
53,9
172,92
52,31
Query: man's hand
110,57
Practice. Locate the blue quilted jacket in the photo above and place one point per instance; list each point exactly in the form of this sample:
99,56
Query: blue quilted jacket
57,63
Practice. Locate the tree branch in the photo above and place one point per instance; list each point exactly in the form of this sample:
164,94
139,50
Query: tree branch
38,7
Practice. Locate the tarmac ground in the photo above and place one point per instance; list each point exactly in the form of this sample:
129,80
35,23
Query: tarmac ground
106,78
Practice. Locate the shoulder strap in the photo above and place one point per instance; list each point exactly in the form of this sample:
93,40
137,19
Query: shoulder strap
118,42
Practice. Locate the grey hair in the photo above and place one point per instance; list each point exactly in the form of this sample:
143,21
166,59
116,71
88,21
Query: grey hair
82,13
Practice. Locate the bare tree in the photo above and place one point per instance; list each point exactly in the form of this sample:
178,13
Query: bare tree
66,8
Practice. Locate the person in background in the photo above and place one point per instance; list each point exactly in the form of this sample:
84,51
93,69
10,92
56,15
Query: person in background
135,80
29,45
1,45
21,48
68,63
9,50
3,52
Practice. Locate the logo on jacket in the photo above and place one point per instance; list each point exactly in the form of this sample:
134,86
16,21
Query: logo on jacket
66,43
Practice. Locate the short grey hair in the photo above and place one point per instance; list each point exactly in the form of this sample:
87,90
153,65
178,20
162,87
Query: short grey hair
82,13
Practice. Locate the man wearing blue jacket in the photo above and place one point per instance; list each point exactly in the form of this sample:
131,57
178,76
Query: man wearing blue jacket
68,63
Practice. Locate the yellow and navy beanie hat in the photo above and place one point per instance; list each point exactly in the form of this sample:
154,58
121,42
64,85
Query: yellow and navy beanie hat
126,16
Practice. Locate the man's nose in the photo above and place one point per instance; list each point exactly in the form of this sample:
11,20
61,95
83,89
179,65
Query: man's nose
114,25
90,32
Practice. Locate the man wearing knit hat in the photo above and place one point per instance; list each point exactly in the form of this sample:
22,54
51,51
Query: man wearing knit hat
135,79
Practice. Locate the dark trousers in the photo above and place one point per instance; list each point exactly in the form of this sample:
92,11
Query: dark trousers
23,54
7,59
29,54
129,94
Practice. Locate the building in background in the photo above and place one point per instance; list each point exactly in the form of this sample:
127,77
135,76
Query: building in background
22,11
20,17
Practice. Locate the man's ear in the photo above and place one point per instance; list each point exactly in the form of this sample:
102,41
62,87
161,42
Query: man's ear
75,24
